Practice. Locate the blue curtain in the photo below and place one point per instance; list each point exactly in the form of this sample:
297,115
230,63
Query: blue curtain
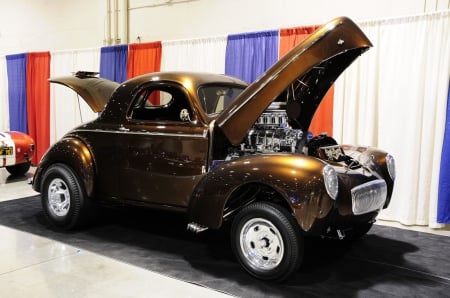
16,67
113,63
443,212
249,55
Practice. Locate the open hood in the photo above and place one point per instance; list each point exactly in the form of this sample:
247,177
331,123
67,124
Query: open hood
94,90
300,79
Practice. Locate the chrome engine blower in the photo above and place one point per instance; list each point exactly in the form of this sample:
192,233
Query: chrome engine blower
271,133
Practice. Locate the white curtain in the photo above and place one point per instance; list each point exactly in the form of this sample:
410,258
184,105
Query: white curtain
203,54
67,110
394,97
4,106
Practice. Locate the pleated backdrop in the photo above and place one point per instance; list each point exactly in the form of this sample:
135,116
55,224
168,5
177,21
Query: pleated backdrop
396,96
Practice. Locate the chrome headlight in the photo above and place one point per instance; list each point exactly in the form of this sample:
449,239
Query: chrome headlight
330,180
390,164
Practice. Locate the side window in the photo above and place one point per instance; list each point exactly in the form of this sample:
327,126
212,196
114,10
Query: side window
159,104
215,98
157,99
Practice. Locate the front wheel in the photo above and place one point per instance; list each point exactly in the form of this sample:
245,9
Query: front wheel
266,241
63,198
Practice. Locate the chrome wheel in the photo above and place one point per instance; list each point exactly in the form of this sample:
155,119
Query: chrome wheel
58,197
261,244
266,241
63,198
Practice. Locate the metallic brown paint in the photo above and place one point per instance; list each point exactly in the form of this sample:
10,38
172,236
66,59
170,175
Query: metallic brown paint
74,153
295,177
94,90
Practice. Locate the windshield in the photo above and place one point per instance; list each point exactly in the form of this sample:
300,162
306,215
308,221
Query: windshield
214,98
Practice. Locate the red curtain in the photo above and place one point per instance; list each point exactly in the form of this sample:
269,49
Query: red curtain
38,101
323,119
144,58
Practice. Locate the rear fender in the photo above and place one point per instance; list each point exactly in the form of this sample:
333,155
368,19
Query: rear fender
74,153
297,179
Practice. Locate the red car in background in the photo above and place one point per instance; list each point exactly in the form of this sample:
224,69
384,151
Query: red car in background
16,152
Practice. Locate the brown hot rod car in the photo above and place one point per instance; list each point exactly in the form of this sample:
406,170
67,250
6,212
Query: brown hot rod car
217,149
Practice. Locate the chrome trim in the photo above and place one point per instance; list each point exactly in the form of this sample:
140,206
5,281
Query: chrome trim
341,234
331,181
390,164
369,196
261,244
196,228
58,197
147,133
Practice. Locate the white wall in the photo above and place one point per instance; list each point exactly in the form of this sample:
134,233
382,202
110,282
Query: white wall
201,18
35,25
40,25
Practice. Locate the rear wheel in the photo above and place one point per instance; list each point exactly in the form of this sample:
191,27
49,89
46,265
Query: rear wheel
63,198
18,170
266,241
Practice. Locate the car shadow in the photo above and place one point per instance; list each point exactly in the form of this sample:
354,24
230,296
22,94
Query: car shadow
17,178
329,266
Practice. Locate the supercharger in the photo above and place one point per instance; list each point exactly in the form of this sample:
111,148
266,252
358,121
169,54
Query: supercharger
271,133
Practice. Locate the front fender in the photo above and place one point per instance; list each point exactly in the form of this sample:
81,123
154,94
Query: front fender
297,178
72,152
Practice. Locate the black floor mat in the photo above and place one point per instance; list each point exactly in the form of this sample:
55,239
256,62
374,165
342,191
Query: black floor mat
388,262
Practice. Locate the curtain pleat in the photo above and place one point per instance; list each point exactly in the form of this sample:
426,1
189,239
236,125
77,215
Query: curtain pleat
113,63
395,97
143,58
443,212
67,109
202,54
17,92
4,106
290,37
38,101
250,55
323,118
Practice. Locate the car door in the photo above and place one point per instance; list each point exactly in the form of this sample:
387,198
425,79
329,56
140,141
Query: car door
162,156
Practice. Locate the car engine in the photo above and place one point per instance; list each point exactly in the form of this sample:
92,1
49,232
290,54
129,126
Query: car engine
271,133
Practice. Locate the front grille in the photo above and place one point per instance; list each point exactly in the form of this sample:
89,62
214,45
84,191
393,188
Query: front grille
369,196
